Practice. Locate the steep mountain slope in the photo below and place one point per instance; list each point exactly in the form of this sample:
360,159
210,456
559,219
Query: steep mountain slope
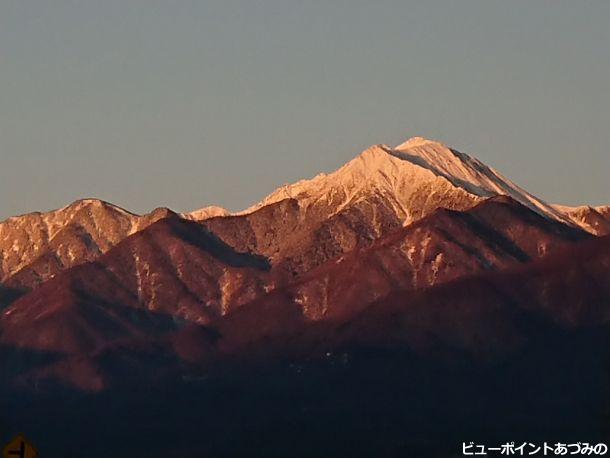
174,268
495,236
277,232
152,283
62,238
295,244
303,225
487,315
401,295
484,298
299,226
415,178
178,269
595,220
472,358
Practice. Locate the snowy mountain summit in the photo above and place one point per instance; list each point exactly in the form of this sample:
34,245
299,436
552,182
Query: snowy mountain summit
413,179
377,192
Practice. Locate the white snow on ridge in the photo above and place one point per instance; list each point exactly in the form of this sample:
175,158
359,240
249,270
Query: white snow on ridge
595,220
418,165
470,173
205,213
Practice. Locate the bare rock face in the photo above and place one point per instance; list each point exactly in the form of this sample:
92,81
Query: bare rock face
595,220
36,246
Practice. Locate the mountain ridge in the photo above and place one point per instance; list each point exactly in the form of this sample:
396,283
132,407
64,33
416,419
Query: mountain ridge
25,238
381,189
179,269
420,160
388,302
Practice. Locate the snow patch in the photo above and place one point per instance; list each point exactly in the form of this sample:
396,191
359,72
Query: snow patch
400,174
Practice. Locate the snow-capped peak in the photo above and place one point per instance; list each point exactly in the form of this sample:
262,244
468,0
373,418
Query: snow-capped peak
415,177
469,173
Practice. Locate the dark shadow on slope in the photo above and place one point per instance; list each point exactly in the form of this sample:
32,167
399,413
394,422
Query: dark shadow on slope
9,295
478,190
198,236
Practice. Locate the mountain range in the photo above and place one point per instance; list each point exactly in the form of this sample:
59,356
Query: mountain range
416,248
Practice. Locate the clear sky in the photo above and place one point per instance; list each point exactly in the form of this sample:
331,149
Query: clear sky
190,103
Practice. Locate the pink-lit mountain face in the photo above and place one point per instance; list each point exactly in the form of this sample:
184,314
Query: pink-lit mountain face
408,301
379,191
413,217
36,246
416,217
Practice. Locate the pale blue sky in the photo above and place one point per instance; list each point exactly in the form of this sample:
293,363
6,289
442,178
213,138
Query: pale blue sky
190,103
